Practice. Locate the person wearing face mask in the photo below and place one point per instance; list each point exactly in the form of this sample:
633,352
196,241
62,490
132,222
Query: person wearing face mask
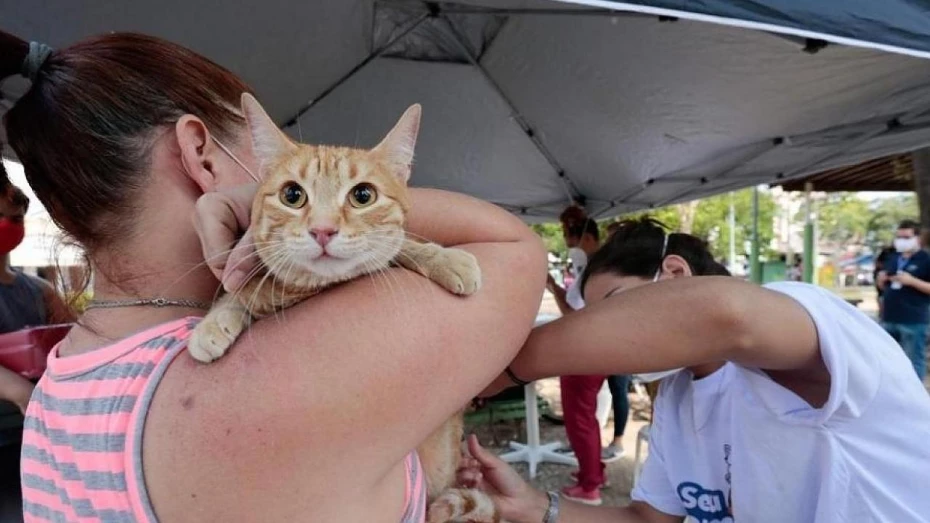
579,393
582,238
905,282
777,403
24,301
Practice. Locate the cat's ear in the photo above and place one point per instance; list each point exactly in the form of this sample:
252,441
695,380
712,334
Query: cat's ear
397,147
267,140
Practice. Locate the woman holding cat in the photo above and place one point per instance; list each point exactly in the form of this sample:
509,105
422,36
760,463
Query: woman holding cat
124,138
785,403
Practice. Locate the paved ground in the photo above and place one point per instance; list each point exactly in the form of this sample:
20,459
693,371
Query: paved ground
553,477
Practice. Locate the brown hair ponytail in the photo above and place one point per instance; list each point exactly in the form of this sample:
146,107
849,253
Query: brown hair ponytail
84,129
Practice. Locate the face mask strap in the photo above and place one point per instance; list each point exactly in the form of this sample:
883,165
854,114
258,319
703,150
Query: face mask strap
234,158
661,258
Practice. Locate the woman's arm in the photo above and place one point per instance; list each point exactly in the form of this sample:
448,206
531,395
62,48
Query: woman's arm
453,219
15,388
679,323
365,371
560,295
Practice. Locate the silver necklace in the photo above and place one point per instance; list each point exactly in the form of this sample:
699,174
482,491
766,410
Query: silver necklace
147,302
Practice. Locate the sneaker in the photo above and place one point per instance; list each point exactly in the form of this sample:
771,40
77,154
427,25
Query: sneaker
580,495
611,453
606,484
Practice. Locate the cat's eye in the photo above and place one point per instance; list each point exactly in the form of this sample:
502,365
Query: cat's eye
293,195
363,195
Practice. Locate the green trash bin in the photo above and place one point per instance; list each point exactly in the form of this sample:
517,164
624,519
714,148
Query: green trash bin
773,271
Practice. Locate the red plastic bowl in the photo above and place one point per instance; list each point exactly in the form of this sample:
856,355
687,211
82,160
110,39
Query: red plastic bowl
26,351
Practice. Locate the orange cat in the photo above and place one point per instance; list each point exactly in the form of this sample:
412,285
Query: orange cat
324,215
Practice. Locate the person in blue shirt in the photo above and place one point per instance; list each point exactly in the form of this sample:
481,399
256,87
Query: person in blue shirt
906,297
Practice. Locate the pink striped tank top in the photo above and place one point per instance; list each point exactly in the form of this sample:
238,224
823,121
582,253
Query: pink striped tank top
82,452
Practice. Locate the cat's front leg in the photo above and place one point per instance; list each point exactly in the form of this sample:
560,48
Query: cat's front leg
455,270
218,330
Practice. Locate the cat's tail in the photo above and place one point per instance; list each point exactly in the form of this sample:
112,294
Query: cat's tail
463,505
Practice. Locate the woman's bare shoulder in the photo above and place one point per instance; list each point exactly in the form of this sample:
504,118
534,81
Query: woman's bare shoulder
351,379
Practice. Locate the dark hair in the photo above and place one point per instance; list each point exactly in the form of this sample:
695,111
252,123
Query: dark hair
17,197
635,249
575,222
909,224
85,129
589,226
574,214
4,177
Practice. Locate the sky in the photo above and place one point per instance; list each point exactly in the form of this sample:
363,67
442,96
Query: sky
878,195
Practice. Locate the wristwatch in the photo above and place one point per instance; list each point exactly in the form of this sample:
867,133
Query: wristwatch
552,513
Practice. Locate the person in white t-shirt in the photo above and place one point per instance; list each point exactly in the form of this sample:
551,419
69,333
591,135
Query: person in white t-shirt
579,393
789,405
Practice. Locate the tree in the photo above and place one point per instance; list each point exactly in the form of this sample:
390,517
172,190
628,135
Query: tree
686,214
885,215
842,218
551,234
846,219
708,220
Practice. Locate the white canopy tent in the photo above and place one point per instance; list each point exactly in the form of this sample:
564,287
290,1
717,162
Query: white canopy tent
533,103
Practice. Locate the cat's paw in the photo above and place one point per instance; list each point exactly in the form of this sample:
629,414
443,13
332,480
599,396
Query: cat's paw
444,509
457,271
215,334
463,505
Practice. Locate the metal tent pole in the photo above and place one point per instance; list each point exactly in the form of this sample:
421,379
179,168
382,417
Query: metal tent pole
755,268
808,256
731,219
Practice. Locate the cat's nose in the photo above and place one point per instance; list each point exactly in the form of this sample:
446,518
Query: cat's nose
323,235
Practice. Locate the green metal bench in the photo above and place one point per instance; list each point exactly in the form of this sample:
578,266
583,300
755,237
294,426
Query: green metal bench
493,412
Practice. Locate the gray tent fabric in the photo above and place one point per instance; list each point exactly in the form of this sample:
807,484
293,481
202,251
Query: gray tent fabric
534,103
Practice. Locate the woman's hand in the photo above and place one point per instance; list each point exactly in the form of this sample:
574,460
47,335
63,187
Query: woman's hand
222,220
517,501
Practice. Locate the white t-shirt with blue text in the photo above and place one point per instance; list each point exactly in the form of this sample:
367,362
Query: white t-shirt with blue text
737,447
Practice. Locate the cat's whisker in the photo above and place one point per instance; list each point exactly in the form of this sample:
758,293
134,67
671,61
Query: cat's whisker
382,275
260,265
393,230
255,272
382,261
284,286
256,292
246,313
205,263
